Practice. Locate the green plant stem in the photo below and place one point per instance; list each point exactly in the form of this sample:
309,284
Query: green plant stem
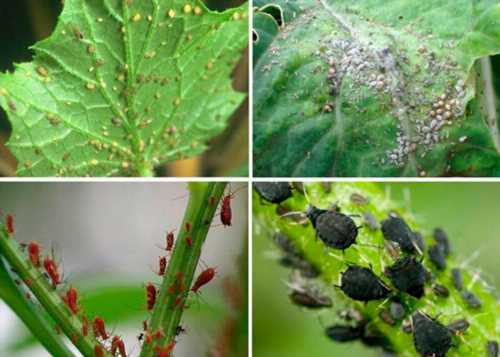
145,171
166,317
33,320
488,100
48,297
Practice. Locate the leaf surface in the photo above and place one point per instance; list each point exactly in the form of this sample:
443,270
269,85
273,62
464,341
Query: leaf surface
374,88
122,86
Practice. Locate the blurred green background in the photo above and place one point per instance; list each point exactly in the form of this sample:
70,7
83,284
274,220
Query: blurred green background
24,22
470,214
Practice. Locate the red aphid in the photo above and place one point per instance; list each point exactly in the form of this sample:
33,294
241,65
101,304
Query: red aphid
85,326
171,289
99,328
9,224
148,339
170,241
167,350
70,299
98,351
145,325
189,241
211,200
34,253
188,227
158,335
204,278
117,345
150,296
58,329
177,300
163,266
74,338
51,269
226,213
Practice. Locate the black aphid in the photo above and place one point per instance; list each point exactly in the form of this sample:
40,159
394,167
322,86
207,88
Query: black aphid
362,284
471,299
335,229
397,310
395,229
310,298
441,239
458,281
429,336
274,192
371,221
407,275
344,333
437,257
375,338
458,326
492,347
386,316
285,244
440,290
313,214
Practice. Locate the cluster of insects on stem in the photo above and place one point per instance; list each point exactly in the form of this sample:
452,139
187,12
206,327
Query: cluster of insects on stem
410,273
82,326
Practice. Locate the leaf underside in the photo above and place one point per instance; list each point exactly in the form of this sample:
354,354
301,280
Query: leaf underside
372,88
122,86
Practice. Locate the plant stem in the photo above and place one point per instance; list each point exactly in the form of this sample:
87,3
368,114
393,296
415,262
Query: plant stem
169,307
488,99
25,310
46,294
144,170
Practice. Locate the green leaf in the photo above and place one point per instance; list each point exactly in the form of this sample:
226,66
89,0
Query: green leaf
370,250
122,86
347,89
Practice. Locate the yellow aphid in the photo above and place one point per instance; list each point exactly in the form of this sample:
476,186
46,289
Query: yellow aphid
187,9
136,17
42,71
171,13
197,10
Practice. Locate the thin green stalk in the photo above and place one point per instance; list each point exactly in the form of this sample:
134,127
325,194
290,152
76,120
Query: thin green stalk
32,318
48,297
169,307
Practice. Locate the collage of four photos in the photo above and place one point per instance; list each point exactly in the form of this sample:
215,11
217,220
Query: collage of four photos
233,178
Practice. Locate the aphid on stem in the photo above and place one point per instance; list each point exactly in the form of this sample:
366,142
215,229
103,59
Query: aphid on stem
169,241
70,299
99,328
163,265
34,253
204,278
150,296
117,345
98,351
51,269
85,326
9,224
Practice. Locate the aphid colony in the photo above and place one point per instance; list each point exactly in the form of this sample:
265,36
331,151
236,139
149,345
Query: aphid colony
104,342
403,281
